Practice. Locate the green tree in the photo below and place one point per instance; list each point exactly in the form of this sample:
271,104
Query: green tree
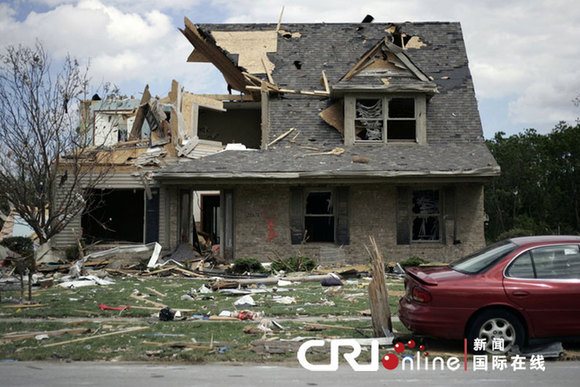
538,190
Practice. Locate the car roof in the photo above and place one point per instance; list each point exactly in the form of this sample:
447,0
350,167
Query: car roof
539,239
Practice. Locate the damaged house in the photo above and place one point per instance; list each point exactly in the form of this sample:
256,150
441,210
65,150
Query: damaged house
331,133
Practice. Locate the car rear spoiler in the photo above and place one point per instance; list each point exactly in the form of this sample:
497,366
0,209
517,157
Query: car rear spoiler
419,275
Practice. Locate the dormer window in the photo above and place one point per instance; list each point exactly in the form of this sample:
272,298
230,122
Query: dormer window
383,119
369,120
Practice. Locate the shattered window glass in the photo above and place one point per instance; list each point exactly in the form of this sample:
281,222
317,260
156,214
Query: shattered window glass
426,212
368,124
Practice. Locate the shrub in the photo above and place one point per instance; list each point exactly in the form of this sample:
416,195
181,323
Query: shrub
20,245
247,265
72,253
294,264
413,261
514,232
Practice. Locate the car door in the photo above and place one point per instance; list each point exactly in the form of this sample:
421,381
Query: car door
545,282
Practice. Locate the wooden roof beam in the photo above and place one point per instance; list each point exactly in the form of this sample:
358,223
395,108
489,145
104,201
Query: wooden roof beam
215,55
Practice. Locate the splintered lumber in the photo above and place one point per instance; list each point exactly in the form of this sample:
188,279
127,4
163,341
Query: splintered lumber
31,335
156,292
128,330
379,300
157,304
282,136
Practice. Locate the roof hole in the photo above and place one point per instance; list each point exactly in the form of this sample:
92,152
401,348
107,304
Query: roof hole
298,64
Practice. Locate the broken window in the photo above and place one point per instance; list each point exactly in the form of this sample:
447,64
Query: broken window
116,215
368,124
319,217
425,215
377,118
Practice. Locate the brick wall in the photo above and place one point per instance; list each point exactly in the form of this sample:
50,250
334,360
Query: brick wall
262,226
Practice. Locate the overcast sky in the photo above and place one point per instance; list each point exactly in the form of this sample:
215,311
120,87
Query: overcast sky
524,54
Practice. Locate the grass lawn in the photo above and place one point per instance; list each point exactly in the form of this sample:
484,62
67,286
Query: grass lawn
191,340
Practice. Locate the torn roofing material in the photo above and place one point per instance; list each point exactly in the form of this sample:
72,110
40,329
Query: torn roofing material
415,58
337,48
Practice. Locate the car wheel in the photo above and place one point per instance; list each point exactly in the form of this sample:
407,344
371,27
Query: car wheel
496,324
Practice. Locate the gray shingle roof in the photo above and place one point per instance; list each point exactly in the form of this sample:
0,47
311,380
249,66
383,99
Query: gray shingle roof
454,133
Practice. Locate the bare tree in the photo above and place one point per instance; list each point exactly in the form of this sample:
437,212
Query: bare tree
46,164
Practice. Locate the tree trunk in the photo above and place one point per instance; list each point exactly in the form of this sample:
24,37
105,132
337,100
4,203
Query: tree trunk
378,295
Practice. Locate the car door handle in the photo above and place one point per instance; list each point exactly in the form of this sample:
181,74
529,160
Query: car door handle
520,293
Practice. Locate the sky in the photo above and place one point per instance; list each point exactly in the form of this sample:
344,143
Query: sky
524,55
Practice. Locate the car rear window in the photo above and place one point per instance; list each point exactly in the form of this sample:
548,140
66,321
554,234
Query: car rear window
483,259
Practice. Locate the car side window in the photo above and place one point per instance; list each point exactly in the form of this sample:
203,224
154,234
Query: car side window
557,262
521,267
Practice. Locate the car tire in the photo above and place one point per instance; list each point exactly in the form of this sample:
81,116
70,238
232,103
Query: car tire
496,323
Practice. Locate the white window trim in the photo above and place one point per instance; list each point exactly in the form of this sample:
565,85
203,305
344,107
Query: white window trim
350,116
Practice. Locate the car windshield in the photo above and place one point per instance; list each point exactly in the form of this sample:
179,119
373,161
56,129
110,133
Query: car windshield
483,259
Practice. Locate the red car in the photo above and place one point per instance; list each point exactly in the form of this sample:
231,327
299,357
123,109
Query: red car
518,289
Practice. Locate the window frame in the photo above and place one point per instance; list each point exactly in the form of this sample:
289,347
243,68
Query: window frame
438,215
530,251
332,215
350,116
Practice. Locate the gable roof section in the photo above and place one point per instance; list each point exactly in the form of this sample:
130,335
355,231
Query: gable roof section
385,68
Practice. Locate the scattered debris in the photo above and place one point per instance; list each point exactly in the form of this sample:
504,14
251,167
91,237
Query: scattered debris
120,308
333,280
245,301
166,314
284,300
360,159
128,330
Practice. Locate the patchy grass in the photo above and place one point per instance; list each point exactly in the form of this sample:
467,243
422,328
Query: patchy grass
335,306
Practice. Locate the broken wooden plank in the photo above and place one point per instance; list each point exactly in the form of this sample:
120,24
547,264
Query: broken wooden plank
268,72
128,330
325,82
22,306
140,116
30,335
157,304
336,151
215,55
363,60
156,292
280,19
281,137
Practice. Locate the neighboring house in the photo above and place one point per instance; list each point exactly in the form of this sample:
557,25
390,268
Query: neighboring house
350,131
